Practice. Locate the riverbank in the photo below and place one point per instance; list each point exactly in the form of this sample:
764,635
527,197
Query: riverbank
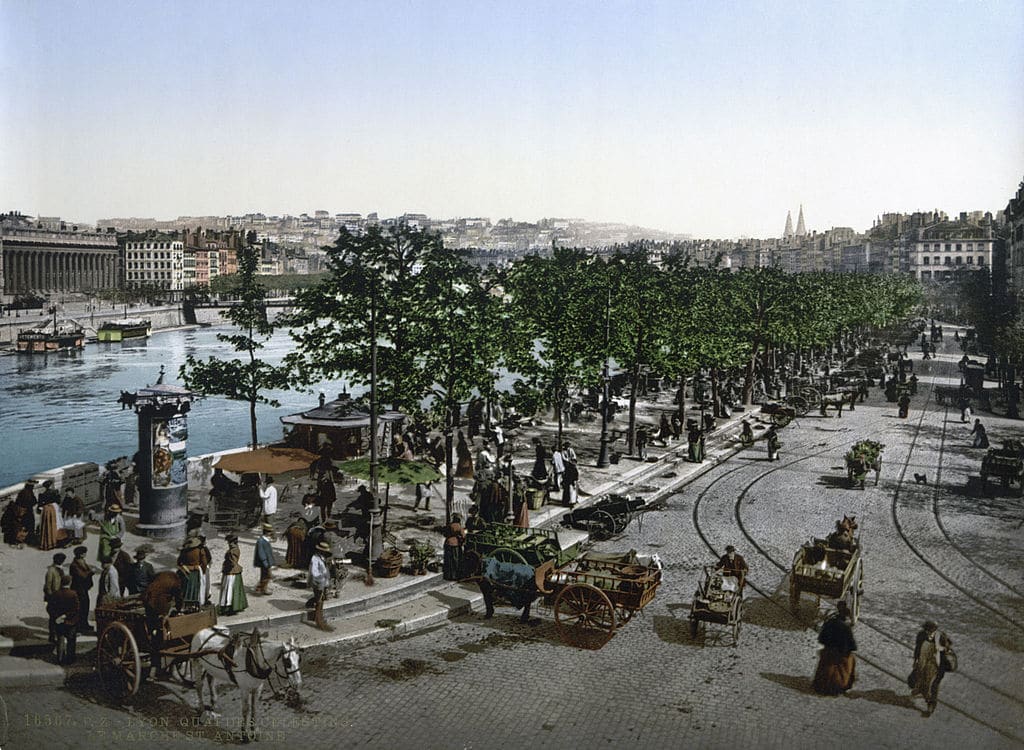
90,317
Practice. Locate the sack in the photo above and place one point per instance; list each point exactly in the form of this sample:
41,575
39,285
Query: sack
948,660
912,680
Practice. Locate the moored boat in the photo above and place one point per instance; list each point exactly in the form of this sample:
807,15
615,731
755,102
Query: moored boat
128,328
52,337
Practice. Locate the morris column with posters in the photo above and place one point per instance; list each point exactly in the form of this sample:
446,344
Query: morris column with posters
161,461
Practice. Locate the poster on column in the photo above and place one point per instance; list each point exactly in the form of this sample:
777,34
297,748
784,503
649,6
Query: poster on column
170,438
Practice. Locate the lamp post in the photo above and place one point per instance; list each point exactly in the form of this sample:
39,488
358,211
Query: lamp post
374,542
602,456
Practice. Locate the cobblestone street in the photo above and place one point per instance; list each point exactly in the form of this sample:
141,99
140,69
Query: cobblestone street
931,551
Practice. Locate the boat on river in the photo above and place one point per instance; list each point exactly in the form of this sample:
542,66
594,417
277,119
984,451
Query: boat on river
127,328
51,337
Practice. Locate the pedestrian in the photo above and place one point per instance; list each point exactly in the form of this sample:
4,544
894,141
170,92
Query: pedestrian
323,472
520,504
980,435
486,463
319,579
72,511
772,441
268,494
677,426
81,581
913,384
51,585
232,589
570,477
664,430
142,573
837,665
263,558
17,523
454,538
732,564
112,489
933,657
122,563
295,535
110,585
965,408
904,404
539,472
746,435
474,521
309,512
862,390
708,421
64,610
557,467
205,560
499,437
568,454
694,442
51,527
190,565
111,527
641,443
464,465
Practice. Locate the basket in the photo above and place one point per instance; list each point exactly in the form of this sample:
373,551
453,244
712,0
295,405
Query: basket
388,564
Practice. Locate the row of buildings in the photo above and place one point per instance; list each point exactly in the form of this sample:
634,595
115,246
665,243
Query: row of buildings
45,255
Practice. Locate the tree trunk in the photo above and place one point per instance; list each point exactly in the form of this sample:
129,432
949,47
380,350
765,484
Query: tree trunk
449,470
748,381
252,421
681,410
714,393
632,407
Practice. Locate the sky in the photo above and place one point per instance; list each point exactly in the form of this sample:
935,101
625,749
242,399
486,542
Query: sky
710,118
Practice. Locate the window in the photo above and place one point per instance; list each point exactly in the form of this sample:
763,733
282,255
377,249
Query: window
949,261
948,247
970,247
926,259
959,247
959,261
935,260
970,260
981,260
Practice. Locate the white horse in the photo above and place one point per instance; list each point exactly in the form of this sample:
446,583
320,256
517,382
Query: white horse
253,663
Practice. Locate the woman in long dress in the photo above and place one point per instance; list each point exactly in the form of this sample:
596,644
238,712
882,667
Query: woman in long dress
232,590
454,536
51,526
837,664
464,467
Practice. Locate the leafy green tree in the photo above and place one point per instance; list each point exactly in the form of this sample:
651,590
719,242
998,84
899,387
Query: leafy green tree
556,323
245,379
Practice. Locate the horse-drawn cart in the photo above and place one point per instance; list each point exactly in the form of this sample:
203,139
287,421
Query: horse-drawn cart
864,456
781,414
718,599
125,645
531,546
1006,464
951,394
826,570
608,516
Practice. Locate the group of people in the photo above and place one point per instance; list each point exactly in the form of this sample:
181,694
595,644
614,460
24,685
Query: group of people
49,521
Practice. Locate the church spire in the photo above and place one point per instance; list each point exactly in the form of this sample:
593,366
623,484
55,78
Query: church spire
789,225
800,230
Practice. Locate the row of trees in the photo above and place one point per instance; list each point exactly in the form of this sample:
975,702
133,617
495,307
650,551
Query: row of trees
446,329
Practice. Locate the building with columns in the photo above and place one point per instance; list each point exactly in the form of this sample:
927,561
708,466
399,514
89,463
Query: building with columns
53,257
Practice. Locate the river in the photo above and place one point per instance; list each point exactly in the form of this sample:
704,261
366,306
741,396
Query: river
62,408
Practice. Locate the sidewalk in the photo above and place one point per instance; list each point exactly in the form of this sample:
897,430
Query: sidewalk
360,613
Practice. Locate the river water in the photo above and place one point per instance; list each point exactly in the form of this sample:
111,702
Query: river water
62,408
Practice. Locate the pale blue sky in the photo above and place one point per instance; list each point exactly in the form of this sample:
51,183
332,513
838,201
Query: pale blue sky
713,118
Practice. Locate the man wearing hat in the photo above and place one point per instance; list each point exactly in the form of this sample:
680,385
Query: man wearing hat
122,562
110,583
51,585
190,566
64,610
268,494
232,590
111,527
81,581
731,564
931,662
141,574
263,558
319,579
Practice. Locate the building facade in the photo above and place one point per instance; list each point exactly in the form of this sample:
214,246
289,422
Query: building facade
945,249
154,259
53,257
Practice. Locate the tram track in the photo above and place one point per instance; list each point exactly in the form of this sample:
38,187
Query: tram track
875,661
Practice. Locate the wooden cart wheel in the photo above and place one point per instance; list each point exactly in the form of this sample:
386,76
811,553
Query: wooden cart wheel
799,404
584,616
118,661
811,395
622,521
504,554
794,594
601,525
737,620
781,419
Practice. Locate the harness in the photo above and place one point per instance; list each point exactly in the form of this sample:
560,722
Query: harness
255,660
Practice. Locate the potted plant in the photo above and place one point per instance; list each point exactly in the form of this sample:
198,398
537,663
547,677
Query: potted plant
420,555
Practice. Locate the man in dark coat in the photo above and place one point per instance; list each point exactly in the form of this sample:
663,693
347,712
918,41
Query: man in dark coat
141,573
63,609
51,585
731,564
81,581
26,502
122,562
263,558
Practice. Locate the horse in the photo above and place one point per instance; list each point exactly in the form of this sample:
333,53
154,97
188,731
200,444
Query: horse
245,660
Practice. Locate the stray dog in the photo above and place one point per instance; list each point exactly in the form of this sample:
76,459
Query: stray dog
921,478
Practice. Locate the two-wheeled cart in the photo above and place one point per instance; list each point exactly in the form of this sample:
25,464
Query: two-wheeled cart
608,516
718,599
827,571
125,645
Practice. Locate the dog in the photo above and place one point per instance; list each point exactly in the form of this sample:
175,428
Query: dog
921,478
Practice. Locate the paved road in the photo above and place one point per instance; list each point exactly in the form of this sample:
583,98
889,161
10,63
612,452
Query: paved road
931,552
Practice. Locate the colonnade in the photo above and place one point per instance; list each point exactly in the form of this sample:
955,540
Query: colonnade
53,270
